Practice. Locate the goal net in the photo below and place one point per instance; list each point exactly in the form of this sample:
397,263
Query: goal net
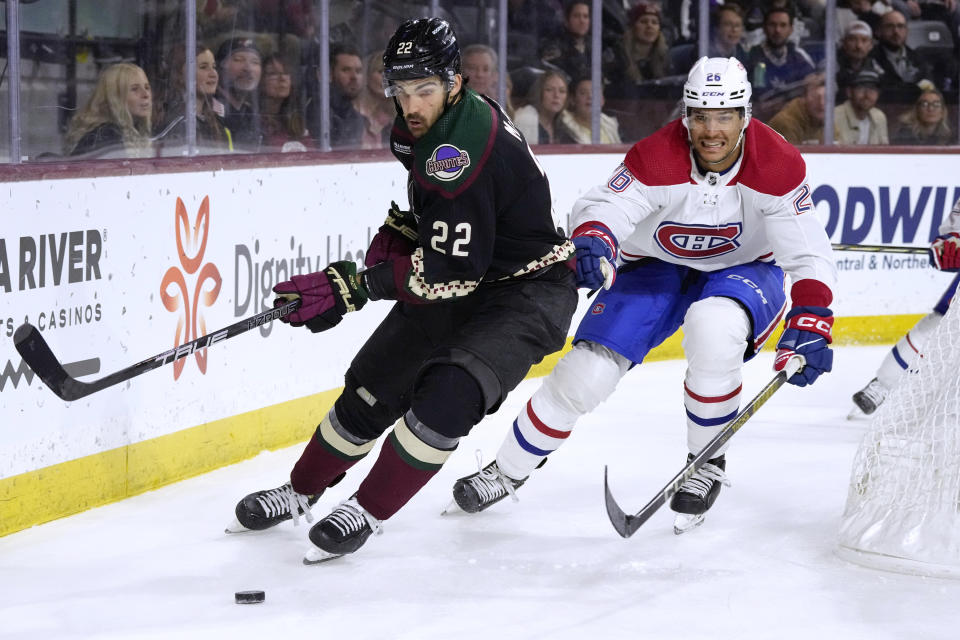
903,505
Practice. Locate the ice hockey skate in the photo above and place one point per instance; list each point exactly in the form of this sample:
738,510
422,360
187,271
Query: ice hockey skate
344,531
698,494
483,489
264,509
871,396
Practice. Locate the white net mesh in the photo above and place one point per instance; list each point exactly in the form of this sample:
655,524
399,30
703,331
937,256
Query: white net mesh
903,506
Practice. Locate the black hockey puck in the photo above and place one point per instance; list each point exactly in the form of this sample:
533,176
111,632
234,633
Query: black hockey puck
249,597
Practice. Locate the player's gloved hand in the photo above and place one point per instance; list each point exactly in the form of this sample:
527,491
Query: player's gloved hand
395,238
593,242
945,252
806,332
326,296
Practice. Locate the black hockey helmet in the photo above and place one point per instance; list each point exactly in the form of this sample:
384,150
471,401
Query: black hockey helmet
421,48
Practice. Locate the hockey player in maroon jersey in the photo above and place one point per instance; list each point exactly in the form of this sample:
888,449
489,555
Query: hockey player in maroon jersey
704,217
484,287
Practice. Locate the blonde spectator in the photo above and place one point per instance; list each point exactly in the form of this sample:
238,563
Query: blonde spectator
577,118
117,117
926,123
373,105
540,121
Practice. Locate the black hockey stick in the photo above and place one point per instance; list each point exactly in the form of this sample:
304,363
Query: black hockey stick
880,248
37,354
627,525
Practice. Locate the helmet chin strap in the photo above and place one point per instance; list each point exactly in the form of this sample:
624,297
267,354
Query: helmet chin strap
729,153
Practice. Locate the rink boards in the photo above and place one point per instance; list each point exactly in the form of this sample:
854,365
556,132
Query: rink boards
116,269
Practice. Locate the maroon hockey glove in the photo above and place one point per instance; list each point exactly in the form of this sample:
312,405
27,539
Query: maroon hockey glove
807,332
397,237
945,252
327,295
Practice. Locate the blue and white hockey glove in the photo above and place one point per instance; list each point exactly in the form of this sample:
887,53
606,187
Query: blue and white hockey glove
806,332
594,243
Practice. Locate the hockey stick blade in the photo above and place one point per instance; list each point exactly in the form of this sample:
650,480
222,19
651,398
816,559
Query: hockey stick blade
35,351
880,248
626,525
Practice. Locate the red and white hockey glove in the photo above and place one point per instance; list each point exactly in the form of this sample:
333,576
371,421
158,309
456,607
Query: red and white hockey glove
594,243
945,252
807,333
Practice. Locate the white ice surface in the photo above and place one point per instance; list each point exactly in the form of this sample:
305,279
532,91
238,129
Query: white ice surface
762,566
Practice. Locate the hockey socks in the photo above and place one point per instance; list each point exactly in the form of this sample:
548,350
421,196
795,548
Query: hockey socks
412,454
331,451
530,441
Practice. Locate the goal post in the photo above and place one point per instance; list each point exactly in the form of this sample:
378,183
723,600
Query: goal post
903,504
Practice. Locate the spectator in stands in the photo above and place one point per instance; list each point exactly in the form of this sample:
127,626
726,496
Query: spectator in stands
854,54
281,111
540,120
347,125
776,62
570,51
577,117
926,123
480,68
530,22
862,10
727,41
378,110
239,64
116,120
645,49
211,133
901,66
858,121
801,120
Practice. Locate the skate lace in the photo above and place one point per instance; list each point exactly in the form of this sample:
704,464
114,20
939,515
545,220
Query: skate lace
349,517
283,500
875,391
490,483
700,482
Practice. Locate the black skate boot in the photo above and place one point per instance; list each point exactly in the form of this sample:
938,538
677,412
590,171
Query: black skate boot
265,509
871,396
698,494
485,488
342,532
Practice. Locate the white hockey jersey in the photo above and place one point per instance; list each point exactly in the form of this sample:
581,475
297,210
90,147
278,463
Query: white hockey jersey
657,204
952,222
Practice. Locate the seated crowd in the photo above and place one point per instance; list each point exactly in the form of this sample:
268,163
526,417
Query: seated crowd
259,88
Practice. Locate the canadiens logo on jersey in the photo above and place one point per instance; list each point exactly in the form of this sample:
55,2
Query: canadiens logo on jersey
695,242
447,162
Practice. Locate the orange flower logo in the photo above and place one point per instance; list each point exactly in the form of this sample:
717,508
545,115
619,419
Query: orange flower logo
173,287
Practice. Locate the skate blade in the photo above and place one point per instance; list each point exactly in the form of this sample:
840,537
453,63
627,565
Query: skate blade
857,414
236,527
316,555
685,522
452,508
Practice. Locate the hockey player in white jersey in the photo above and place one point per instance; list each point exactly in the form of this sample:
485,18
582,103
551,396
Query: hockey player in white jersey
703,217
945,256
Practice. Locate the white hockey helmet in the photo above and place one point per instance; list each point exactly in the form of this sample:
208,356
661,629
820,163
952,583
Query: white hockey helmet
717,83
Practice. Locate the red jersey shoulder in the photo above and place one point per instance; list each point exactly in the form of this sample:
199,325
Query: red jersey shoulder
771,165
662,158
